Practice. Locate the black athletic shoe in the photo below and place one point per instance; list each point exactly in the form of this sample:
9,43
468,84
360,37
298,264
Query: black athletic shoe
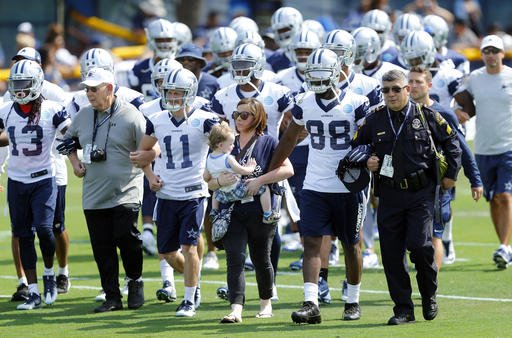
430,308
109,305
401,318
135,294
352,311
21,293
63,284
309,313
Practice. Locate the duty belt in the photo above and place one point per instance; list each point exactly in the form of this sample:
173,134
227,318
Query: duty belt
414,181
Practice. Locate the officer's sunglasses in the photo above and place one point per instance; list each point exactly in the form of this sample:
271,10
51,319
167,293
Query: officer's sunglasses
244,115
488,51
394,89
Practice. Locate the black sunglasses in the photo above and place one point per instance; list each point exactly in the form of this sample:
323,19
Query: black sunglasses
244,115
94,89
488,51
394,89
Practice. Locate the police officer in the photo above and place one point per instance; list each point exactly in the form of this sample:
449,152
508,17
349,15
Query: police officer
405,180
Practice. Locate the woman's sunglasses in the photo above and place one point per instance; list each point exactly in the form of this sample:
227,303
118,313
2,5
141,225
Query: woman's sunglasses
242,114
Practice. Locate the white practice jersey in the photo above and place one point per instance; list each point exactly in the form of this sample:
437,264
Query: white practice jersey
331,125
366,86
290,78
30,146
184,147
275,98
226,79
383,68
445,83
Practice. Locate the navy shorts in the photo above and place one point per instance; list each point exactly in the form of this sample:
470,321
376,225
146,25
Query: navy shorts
148,200
496,173
60,208
178,223
31,205
339,214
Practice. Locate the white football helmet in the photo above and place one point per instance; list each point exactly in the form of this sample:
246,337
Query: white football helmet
304,40
183,34
404,24
96,58
161,69
418,50
247,61
437,28
322,70
222,40
178,80
25,81
244,24
379,21
368,46
316,27
286,22
342,43
250,37
161,37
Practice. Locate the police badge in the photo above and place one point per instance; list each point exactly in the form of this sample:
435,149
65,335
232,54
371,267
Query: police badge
416,124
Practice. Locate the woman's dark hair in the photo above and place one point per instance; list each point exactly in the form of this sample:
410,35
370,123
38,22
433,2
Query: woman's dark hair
260,115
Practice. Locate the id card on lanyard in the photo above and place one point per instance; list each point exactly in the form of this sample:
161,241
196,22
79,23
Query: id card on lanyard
387,163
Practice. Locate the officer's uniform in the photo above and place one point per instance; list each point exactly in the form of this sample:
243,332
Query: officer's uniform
406,188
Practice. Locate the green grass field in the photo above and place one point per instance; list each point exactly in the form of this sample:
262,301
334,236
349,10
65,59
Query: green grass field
475,298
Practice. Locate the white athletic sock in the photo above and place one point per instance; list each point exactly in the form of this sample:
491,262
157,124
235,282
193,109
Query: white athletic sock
23,280
48,271
64,271
311,292
166,271
236,309
190,291
265,306
32,288
353,293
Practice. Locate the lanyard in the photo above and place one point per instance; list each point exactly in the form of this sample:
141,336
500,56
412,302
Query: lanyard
397,133
96,126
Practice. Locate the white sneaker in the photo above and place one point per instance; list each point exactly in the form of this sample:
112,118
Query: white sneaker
50,289
148,242
275,297
102,297
210,261
370,260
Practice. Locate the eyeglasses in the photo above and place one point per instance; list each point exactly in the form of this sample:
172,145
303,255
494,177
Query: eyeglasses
394,89
488,51
93,89
244,115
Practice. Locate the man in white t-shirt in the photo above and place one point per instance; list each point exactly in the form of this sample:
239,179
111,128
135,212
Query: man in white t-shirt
491,89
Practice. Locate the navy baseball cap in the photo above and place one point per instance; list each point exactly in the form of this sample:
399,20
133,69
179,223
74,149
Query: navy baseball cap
193,51
27,53
356,179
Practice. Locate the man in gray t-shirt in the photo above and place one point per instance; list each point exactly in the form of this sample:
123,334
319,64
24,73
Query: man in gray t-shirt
108,130
490,88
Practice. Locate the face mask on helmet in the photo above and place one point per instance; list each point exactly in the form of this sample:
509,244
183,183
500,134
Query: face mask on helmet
96,58
368,46
342,43
222,44
322,71
161,69
25,81
286,22
418,50
246,63
178,89
161,37
302,46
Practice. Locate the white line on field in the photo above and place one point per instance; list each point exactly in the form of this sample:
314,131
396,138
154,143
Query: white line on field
283,286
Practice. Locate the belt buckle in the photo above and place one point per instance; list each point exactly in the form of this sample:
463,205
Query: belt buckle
403,184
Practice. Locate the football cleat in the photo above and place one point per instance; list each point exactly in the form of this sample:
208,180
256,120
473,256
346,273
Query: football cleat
186,309
370,260
50,289
309,313
102,297
352,311
33,302
248,265
296,265
210,261
63,284
21,293
223,292
502,258
324,296
167,293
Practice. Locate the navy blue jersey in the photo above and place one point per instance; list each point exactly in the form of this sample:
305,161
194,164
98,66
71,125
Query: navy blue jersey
140,79
207,86
279,61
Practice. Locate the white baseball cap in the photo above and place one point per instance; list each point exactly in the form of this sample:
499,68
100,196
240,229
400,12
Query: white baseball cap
25,27
492,41
97,76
